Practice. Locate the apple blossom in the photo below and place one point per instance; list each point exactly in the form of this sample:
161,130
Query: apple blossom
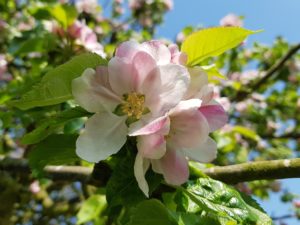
87,6
86,37
231,20
4,75
129,96
136,4
185,133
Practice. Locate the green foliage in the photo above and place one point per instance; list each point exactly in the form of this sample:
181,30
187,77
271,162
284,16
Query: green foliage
224,204
246,132
122,188
151,212
212,71
55,86
65,14
57,149
91,209
50,125
212,42
43,43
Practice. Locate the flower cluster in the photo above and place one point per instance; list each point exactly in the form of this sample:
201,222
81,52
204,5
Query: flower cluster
150,12
80,33
146,91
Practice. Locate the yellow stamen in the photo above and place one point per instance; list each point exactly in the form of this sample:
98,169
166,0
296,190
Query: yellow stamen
134,105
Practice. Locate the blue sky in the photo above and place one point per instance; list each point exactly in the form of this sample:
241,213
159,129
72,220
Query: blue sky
276,17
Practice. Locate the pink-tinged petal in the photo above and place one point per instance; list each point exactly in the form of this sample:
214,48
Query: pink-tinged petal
174,81
175,168
188,129
204,153
179,58
104,135
141,166
144,69
173,48
215,116
145,128
206,94
128,49
122,78
103,70
198,80
158,51
153,146
185,105
91,93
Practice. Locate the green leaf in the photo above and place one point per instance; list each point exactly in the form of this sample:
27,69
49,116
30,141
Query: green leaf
55,86
50,125
42,44
64,14
122,188
91,209
212,71
224,203
246,132
151,212
57,149
213,42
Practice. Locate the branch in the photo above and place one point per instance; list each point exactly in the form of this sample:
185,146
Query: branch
262,170
241,95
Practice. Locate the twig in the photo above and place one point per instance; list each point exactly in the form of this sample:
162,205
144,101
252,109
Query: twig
261,170
273,169
241,95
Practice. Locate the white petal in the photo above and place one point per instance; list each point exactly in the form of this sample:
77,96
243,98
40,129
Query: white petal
104,135
128,49
215,115
91,93
121,75
198,80
185,105
141,166
149,126
156,166
151,146
174,166
206,152
174,81
158,51
189,129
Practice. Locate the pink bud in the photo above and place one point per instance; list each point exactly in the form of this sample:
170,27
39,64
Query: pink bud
231,20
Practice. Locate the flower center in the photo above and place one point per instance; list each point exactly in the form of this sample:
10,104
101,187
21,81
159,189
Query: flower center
133,106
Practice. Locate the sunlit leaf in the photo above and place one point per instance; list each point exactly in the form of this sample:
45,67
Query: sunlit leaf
212,71
224,203
91,208
65,14
212,42
246,132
